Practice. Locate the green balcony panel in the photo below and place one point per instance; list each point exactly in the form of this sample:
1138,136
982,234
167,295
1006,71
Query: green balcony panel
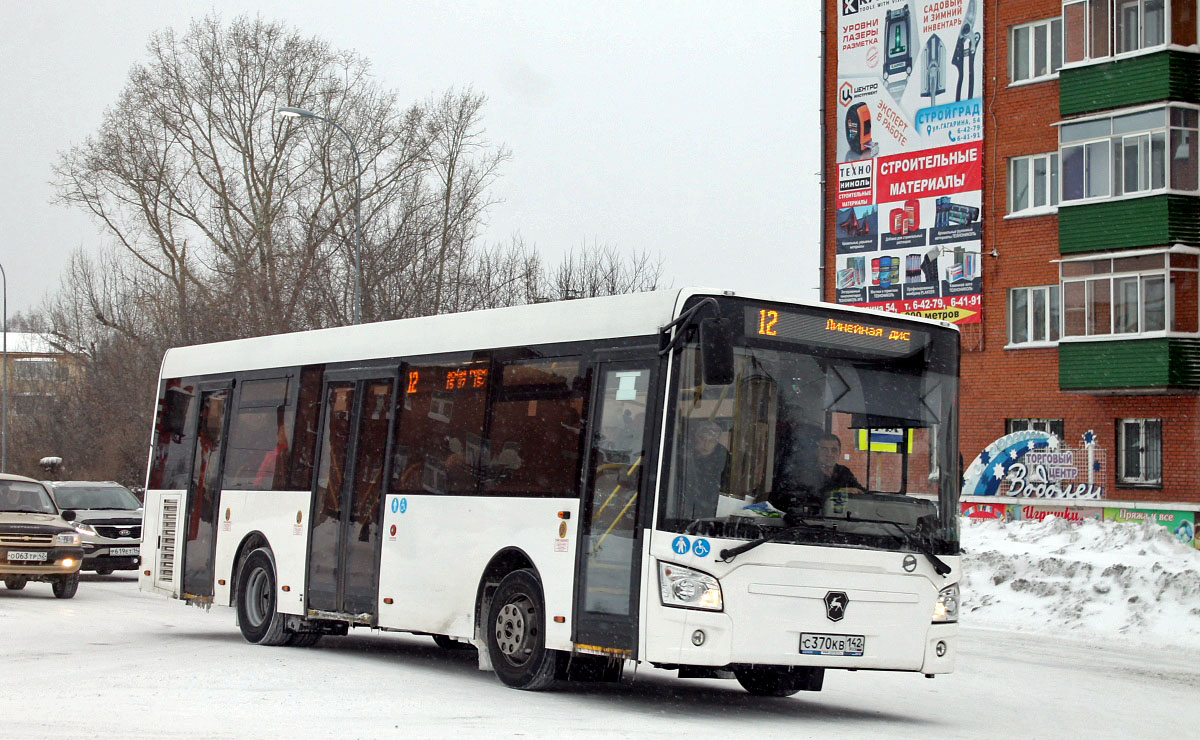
1156,220
1134,364
1165,75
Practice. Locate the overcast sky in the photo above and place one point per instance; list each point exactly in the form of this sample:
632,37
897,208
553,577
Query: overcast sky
689,129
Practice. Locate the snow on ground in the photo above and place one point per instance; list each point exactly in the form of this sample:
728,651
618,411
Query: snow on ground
1089,580
1042,602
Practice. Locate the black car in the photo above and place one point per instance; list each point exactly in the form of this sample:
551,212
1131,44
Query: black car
109,517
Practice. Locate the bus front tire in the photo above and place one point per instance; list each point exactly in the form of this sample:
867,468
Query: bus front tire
258,618
15,583
515,629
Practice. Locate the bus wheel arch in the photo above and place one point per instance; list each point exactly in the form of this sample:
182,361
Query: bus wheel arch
502,563
251,542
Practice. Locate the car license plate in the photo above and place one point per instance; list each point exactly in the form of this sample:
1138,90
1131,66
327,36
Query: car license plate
26,556
816,643
121,551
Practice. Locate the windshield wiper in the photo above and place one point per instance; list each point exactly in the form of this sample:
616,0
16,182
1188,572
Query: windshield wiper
727,555
913,540
27,511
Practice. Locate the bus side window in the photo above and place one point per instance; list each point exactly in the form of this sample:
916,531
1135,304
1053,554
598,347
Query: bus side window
535,436
439,425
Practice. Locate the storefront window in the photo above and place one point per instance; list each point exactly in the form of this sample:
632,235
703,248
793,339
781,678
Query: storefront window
1139,443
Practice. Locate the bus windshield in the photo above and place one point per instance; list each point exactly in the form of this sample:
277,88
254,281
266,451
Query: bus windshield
826,430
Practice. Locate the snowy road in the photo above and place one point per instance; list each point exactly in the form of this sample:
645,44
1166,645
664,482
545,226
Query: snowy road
145,666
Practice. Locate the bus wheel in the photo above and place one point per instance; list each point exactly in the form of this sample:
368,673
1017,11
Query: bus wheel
64,587
763,681
15,583
515,630
260,623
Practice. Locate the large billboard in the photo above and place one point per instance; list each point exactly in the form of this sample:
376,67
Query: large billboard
908,196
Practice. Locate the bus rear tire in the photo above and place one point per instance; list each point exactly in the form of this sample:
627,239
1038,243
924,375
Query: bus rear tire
258,619
772,681
515,631
303,639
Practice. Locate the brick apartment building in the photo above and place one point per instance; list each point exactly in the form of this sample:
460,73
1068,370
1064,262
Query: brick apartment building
1089,214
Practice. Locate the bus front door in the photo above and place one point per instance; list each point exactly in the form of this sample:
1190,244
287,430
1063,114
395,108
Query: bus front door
609,556
343,560
204,492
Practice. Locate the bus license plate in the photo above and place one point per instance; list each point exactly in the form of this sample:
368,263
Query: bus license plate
120,551
25,556
816,643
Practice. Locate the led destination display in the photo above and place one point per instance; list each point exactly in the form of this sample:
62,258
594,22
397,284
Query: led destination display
824,330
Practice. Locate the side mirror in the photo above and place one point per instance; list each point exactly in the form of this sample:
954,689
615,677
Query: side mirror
716,351
68,515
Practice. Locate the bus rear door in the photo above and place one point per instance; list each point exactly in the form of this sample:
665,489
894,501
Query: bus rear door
343,560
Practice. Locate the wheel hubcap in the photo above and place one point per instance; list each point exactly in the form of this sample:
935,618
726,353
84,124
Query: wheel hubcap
516,630
258,597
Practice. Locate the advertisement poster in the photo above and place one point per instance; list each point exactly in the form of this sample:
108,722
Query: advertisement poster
986,511
1182,524
908,194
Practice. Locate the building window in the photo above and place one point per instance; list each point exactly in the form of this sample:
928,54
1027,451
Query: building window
1052,426
1033,315
39,368
1129,154
1033,182
1139,444
1035,51
1095,30
1141,293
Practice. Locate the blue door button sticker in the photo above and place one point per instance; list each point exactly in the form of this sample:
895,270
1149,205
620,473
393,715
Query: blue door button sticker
701,548
395,505
403,505
681,545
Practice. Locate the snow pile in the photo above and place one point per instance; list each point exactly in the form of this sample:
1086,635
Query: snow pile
1090,580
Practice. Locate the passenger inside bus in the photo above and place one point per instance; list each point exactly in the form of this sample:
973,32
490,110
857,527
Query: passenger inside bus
705,471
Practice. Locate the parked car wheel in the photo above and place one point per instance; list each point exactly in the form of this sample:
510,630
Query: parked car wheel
65,586
15,583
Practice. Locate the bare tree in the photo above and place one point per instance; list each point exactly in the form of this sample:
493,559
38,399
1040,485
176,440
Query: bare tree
225,221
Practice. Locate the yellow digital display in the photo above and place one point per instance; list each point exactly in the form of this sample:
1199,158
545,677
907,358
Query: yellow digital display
823,328
766,322
475,377
849,327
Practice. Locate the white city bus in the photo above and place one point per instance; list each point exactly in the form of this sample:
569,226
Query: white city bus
719,484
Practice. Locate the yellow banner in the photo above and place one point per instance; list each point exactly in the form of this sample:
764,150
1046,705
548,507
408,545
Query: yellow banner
953,314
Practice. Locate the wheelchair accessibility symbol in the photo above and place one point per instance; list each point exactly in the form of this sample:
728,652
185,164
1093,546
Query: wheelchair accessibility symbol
403,505
701,548
681,545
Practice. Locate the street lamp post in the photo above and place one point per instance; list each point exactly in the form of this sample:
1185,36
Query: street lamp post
303,113
4,392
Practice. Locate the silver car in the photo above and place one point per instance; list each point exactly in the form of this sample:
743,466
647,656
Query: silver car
108,517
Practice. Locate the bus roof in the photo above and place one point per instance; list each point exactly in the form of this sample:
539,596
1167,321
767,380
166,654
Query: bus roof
629,315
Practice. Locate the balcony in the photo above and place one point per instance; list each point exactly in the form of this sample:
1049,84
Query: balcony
1159,365
1163,75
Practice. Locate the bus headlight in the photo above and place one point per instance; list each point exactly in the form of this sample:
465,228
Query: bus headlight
945,609
692,589
69,539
